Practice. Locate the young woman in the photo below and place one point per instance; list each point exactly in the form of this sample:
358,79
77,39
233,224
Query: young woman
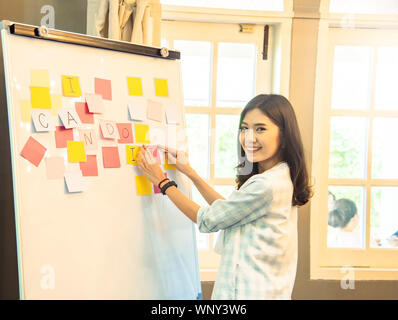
259,219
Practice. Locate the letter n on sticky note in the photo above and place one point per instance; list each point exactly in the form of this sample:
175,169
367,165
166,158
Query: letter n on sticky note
76,151
71,86
144,186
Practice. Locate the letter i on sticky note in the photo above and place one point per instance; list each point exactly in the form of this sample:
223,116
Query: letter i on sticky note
132,154
71,86
144,186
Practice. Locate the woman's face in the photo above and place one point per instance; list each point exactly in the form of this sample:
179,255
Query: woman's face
259,138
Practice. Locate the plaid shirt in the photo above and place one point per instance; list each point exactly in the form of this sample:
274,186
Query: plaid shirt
259,237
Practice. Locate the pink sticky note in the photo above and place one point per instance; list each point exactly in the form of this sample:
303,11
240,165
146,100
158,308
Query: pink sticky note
156,189
154,111
95,103
33,151
104,88
62,136
83,112
90,167
125,132
155,153
55,167
110,157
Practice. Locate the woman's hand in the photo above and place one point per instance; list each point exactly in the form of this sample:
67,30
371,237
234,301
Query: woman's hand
150,167
179,159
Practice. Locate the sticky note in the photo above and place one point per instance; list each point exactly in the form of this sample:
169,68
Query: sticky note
40,97
69,117
161,88
125,132
25,107
167,165
42,120
56,103
95,103
132,153
76,152
134,86
155,153
155,111
144,186
74,181
109,129
90,167
172,114
137,111
156,189
83,112
141,133
39,78
63,135
103,87
110,157
55,168
89,138
33,151
71,86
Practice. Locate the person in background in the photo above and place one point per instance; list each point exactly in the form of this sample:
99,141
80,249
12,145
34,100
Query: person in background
259,220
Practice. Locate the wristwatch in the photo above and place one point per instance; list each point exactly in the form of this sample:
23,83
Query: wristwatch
167,185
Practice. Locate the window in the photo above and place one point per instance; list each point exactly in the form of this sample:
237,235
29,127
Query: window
364,6
356,125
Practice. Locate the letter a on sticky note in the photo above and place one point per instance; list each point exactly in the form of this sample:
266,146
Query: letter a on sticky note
144,186
141,133
134,86
161,88
40,97
76,151
71,86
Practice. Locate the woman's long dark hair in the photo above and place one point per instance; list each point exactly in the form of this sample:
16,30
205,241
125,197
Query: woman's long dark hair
279,110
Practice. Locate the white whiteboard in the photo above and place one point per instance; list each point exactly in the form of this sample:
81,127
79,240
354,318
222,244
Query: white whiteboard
105,242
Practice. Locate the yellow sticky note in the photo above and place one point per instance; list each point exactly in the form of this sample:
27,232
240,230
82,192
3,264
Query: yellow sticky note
40,97
161,89
144,186
76,151
71,86
39,78
56,103
132,154
167,165
25,110
141,133
135,86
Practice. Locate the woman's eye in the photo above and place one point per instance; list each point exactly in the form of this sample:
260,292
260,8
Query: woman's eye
261,129
243,128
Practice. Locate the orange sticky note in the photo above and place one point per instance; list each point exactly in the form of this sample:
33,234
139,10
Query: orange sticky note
110,157
132,154
90,167
63,135
144,186
125,132
55,168
161,88
71,86
76,151
134,86
103,87
33,151
40,97
154,111
141,133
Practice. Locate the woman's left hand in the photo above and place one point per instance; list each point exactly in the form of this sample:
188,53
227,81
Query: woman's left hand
149,166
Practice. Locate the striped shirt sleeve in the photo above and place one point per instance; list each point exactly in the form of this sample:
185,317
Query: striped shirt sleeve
243,206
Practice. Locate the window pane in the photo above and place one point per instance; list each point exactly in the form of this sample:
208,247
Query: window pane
386,78
236,76
364,6
348,138
351,77
226,146
346,217
384,151
196,59
384,218
269,5
198,142
164,43
201,238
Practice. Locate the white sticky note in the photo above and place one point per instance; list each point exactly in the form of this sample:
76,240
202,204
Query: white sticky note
137,111
89,137
42,120
95,103
69,117
109,129
172,114
74,181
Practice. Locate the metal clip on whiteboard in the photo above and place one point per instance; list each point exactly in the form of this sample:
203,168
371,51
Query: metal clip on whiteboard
164,52
42,31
